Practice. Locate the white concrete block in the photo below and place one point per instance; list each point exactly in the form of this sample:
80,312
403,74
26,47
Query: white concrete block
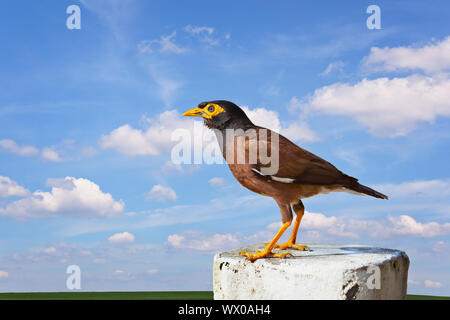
329,272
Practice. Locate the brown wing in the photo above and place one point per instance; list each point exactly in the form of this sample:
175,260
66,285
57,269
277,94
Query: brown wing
302,166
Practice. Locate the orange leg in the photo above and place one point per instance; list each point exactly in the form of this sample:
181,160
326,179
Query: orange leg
267,252
299,211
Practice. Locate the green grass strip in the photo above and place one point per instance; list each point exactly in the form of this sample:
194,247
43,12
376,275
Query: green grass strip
140,295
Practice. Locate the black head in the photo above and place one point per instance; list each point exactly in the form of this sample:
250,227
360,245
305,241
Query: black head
221,115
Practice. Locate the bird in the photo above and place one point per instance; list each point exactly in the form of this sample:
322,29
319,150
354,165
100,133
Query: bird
299,174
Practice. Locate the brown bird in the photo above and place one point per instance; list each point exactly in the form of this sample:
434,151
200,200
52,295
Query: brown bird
287,173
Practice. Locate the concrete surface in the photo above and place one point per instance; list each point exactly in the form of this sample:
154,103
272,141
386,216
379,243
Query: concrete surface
329,272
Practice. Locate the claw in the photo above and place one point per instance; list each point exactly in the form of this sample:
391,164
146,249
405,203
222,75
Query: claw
291,245
261,254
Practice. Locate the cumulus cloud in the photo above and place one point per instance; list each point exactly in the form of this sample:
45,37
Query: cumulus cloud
4,274
68,196
9,188
162,194
12,147
402,225
406,225
124,237
297,131
431,58
387,107
154,139
317,221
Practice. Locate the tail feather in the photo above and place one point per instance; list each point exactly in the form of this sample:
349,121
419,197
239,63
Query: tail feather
366,190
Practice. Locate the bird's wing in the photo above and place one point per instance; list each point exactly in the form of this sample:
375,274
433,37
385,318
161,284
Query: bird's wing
297,165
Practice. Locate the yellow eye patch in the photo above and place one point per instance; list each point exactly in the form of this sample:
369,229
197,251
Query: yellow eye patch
212,110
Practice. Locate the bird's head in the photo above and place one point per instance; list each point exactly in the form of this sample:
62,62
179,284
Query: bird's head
221,115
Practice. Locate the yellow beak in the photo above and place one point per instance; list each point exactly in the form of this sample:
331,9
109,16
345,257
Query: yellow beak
196,112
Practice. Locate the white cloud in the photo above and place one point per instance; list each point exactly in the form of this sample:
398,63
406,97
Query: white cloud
420,188
124,237
165,44
297,131
197,30
406,225
50,154
216,182
9,188
334,66
123,275
130,141
317,221
431,58
49,250
53,153
433,284
203,34
3,274
413,282
402,225
197,241
68,196
388,107
175,240
12,147
153,140
161,193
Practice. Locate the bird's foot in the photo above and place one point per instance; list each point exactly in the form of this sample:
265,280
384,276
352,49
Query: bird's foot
264,254
291,245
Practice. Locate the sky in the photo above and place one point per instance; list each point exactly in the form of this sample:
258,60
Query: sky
87,118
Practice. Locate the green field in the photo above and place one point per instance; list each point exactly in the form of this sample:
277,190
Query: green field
135,295
139,295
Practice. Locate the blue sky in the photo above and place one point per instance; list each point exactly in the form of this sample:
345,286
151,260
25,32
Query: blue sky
86,118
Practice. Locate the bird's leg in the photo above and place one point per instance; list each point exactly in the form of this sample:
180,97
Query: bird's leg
267,252
286,217
299,210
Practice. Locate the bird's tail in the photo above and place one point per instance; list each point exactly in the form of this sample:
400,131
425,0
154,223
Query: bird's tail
366,190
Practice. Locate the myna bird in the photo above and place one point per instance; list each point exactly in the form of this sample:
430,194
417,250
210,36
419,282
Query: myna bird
300,174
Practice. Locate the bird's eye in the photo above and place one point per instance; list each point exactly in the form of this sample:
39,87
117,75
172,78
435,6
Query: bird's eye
211,109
